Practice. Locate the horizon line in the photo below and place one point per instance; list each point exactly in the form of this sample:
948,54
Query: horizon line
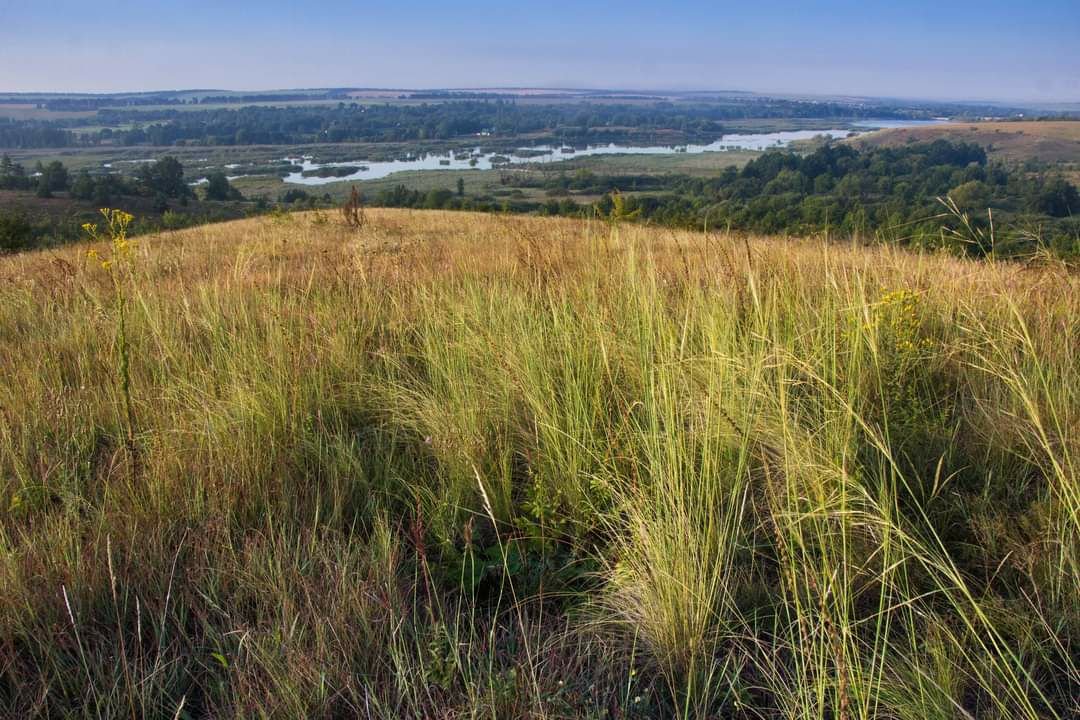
557,88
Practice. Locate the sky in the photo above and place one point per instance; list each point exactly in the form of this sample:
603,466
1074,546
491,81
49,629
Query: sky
955,49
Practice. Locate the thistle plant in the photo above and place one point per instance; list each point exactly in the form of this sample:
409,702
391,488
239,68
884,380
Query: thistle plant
118,265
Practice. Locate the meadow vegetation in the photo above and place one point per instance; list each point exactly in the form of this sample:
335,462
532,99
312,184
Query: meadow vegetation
466,465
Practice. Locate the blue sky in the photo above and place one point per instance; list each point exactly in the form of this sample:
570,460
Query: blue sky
919,48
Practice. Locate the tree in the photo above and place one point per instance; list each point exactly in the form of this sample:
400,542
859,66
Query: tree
461,187
165,177
1058,198
104,188
16,231
83,187
12,175
52,178
218,188
293,195
971,196
42,190
437,199
622,209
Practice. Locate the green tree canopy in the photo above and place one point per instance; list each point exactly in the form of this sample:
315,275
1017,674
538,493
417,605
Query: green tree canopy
164,177
219,188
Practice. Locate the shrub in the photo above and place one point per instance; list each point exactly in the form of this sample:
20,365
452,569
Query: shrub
17,232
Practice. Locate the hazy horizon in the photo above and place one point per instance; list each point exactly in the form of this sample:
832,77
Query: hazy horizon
986,51
508,89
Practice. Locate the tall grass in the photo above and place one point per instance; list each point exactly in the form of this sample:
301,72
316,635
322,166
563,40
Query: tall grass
475,466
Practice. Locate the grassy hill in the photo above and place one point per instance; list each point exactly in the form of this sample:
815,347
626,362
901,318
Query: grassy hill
457,465
1048,141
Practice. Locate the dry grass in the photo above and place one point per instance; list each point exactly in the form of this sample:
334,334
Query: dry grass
459,465
1051,141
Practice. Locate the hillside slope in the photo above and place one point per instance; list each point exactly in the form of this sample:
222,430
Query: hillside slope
1049,141
457,465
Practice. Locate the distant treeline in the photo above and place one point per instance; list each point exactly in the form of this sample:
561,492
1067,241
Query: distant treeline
444,115
17,134
91,103
268,97
396,122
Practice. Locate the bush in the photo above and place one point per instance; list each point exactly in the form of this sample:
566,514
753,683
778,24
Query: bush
171,220
219,188
17,232
294,195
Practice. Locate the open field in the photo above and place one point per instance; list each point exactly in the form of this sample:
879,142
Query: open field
485,466
1045,141
30,111
697,164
